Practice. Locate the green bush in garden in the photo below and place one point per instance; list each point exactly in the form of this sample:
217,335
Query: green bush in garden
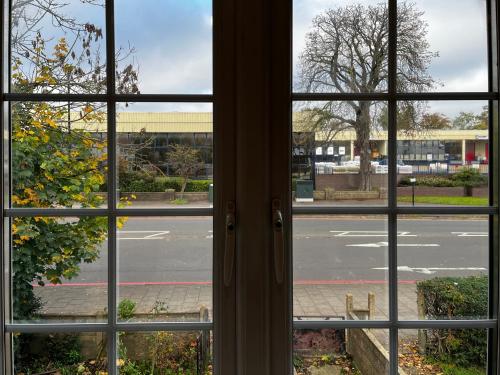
469,178
456,298
131,181
433,181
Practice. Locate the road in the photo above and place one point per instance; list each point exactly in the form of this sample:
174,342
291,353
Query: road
326,250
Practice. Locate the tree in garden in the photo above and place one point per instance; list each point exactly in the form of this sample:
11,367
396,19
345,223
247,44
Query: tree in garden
56,161
81,67
53,167
347,52
185,161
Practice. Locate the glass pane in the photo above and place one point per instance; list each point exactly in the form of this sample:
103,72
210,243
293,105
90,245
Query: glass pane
443,351
443,153
340,48
165,352
337,260
178,62
353,351
60,353
165,268
165,155
58,155
58,46
59,269
339,153
436,52
443,267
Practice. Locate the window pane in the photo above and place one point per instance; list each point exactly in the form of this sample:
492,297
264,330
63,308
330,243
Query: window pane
165,268
451,161
443,351
165,352
341,351
58,47
337,258
162,162
340,48
443,267
58,155
339,153
60,353
436,52
59,269
178,62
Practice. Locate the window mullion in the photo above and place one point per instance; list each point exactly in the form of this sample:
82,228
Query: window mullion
112,190
392,187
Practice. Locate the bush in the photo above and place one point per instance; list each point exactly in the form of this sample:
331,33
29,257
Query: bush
135,181
469,178
456,298
44,352
433,181
126,309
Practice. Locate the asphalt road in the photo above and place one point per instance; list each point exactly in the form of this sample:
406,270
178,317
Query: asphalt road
326,250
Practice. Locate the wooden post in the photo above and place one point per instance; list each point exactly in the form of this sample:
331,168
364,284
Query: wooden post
371,305
348,305
205,338
422,333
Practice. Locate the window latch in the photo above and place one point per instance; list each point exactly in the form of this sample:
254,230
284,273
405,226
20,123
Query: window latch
230,243
278,241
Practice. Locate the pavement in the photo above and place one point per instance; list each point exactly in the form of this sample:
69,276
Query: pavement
308,300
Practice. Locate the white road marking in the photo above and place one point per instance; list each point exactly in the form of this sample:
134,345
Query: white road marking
368,233
153,236
431,270
471,234
385,244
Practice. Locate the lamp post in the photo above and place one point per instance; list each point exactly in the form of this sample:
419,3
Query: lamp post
413,180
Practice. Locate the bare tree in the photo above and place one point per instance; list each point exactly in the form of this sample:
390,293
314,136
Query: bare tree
347,52
185,161
78,67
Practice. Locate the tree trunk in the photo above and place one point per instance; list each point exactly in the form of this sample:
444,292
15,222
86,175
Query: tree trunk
183,187
362,127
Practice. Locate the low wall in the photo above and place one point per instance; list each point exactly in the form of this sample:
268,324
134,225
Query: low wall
165,196
351,181
368,354
136,343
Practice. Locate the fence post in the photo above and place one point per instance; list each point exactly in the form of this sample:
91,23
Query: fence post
205,339
371,305
422,333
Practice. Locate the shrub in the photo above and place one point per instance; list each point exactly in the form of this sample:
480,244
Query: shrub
42,352
433,181
142,182
469,178
456,298
126,309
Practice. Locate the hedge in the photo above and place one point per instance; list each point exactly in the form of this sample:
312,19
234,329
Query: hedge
141,182
465,177
456,298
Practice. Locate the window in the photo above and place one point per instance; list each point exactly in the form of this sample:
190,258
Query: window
189,187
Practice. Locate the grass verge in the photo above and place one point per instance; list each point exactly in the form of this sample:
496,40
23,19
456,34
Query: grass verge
450,201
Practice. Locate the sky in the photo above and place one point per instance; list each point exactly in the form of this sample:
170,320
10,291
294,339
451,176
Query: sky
171,42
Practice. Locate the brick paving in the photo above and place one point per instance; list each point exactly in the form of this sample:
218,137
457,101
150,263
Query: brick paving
83,303
308,300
